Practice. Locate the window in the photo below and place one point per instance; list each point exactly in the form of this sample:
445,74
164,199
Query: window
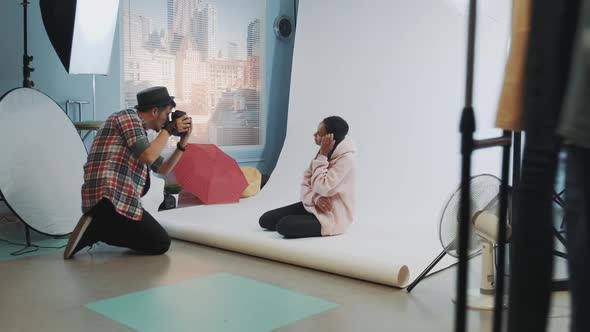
208,53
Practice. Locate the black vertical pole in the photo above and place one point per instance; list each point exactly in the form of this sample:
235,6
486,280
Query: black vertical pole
27,83
501,258
467,128
516,161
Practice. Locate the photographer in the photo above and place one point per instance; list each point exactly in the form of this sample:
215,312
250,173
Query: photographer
116,175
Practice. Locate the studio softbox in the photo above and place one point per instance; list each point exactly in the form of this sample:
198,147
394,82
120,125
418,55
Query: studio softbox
81,32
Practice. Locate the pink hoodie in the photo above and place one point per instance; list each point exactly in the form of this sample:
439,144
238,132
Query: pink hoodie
334,179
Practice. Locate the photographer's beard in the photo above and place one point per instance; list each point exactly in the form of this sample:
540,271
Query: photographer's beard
159,126
156,125
160,119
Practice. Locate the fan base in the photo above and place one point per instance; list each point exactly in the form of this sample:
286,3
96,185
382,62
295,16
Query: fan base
478,301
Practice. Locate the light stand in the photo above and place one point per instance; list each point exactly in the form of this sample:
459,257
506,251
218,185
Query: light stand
27,83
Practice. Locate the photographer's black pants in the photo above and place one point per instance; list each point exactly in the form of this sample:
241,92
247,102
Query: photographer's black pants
145,236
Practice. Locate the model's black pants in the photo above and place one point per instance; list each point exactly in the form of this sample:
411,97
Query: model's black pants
292,221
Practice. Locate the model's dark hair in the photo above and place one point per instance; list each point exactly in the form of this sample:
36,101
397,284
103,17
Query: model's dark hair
337,126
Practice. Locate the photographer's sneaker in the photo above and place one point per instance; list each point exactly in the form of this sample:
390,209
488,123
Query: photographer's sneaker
78,240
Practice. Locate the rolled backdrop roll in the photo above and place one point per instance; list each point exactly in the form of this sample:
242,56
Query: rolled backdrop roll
395,71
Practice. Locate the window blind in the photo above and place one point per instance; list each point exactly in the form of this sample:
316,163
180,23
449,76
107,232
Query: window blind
208,53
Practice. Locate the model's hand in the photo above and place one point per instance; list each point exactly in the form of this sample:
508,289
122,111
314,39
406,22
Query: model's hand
323,204
327,144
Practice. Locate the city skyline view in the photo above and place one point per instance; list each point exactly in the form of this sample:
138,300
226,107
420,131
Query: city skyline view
239,12
207,55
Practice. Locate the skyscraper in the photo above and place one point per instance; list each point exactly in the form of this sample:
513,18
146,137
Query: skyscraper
170,15
253,45
253,41
182,14
204,30
180,18
144,63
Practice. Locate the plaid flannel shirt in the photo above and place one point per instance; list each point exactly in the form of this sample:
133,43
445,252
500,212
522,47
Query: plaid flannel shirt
114,170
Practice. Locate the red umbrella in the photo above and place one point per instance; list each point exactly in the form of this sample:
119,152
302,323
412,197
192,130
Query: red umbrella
211,175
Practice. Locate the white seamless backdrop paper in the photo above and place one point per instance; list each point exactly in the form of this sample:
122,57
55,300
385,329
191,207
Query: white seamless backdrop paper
395,70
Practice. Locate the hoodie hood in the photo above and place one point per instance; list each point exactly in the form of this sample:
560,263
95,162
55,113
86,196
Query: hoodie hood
346,146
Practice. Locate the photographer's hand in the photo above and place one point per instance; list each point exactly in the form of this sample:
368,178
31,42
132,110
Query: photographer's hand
185,138
183,128
183,123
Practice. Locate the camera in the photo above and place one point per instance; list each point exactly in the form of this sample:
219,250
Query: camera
175,115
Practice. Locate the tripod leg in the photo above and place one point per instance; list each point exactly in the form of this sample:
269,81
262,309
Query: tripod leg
559,254
560,285
559,237
558,200
28,235
425,272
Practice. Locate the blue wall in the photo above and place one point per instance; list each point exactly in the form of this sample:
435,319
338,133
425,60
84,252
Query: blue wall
279,58
51,78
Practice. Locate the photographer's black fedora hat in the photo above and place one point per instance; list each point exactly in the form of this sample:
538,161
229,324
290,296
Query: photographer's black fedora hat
153,97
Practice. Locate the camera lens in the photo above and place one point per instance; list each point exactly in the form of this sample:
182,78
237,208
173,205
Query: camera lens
177,114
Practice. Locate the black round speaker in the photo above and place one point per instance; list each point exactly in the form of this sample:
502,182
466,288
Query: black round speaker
284,27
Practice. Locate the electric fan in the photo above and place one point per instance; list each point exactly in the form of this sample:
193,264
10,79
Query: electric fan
484,217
